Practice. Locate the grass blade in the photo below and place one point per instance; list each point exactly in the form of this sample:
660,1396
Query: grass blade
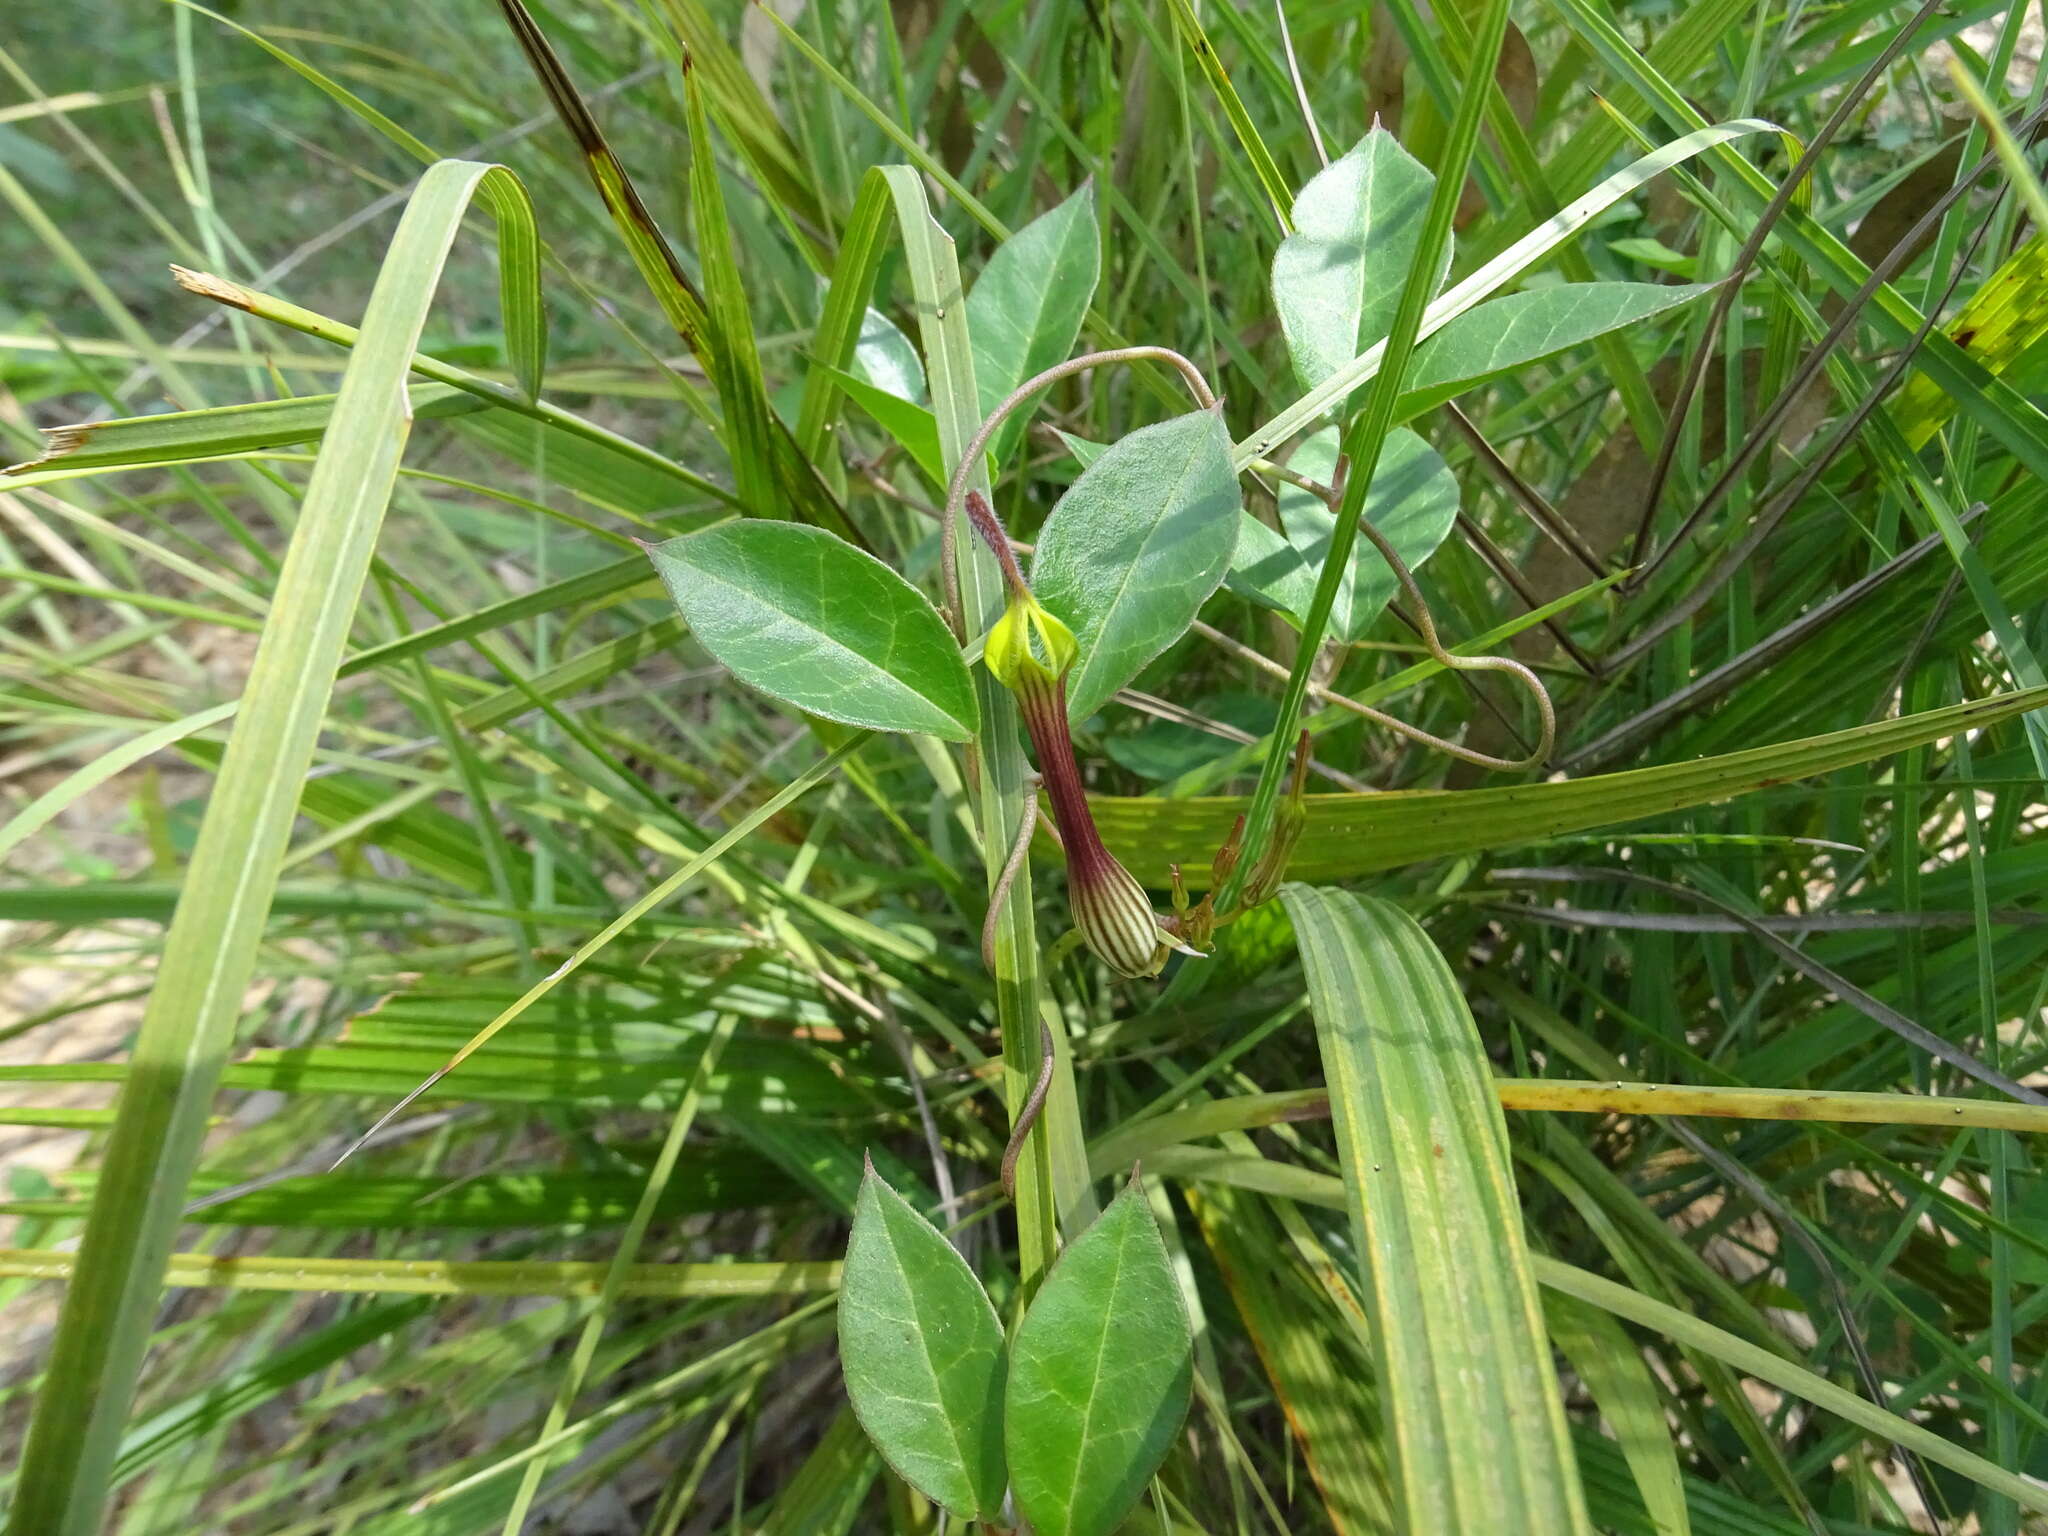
1476,1424
210,952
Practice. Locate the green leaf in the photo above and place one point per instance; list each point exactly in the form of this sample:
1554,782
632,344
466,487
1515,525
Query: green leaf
1688,1329
1357,834
1100,1374
1554,232
1136,546
1652,252
1465,1375
884,357
1337,277
734,362
175,436
1028,304
922,1350
1521,328
806,618
1084,451
1267,570
1613,1370
913,428
1413,501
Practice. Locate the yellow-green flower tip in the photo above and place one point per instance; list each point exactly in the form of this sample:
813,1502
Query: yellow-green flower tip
1012,657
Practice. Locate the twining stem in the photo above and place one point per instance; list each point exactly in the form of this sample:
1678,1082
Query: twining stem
1367,436
956,493
1027,823
1425,626
1033,1107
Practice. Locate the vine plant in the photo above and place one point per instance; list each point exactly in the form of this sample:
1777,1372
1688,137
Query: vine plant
1059,1425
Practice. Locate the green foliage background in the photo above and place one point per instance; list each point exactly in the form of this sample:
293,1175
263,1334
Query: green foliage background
525,742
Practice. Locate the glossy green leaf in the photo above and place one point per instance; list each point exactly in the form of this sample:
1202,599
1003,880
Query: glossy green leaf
922,1350
1136,546
1413,501
884,357
1521,328
1465,1376
806,618
1027,306
1100,1375
1337,277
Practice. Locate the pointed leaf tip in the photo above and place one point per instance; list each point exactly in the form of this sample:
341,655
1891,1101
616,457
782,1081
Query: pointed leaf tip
923,1354
1101,1374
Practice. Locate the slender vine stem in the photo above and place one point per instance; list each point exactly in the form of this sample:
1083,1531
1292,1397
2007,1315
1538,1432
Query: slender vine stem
1027,823
956,493
1425,625
1033,1107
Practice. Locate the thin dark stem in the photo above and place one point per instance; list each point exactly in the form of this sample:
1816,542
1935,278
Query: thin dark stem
1526,496
1731,286
1816,357
1704,690
1846,432
1879,1012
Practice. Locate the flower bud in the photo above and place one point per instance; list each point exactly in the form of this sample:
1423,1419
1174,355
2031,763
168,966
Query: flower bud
1114,915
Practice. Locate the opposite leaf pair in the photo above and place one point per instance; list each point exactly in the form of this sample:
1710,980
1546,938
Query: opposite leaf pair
1073,1416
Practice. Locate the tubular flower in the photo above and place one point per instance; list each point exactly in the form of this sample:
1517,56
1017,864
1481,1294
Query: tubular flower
1029,651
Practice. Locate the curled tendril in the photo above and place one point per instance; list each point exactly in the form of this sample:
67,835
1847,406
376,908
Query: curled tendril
1425,625
970,459
1030,1110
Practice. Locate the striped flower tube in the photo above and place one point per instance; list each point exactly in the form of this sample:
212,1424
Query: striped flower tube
1030,652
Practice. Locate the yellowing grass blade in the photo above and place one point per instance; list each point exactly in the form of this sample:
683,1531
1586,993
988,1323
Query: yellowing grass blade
1356,834
1470,1399
210,953
2003,319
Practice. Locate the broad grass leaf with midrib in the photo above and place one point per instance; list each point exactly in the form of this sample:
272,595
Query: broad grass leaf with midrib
1464,1368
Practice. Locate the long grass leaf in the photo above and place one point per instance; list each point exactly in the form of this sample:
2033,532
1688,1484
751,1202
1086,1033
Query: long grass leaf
1474,1418
210,952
